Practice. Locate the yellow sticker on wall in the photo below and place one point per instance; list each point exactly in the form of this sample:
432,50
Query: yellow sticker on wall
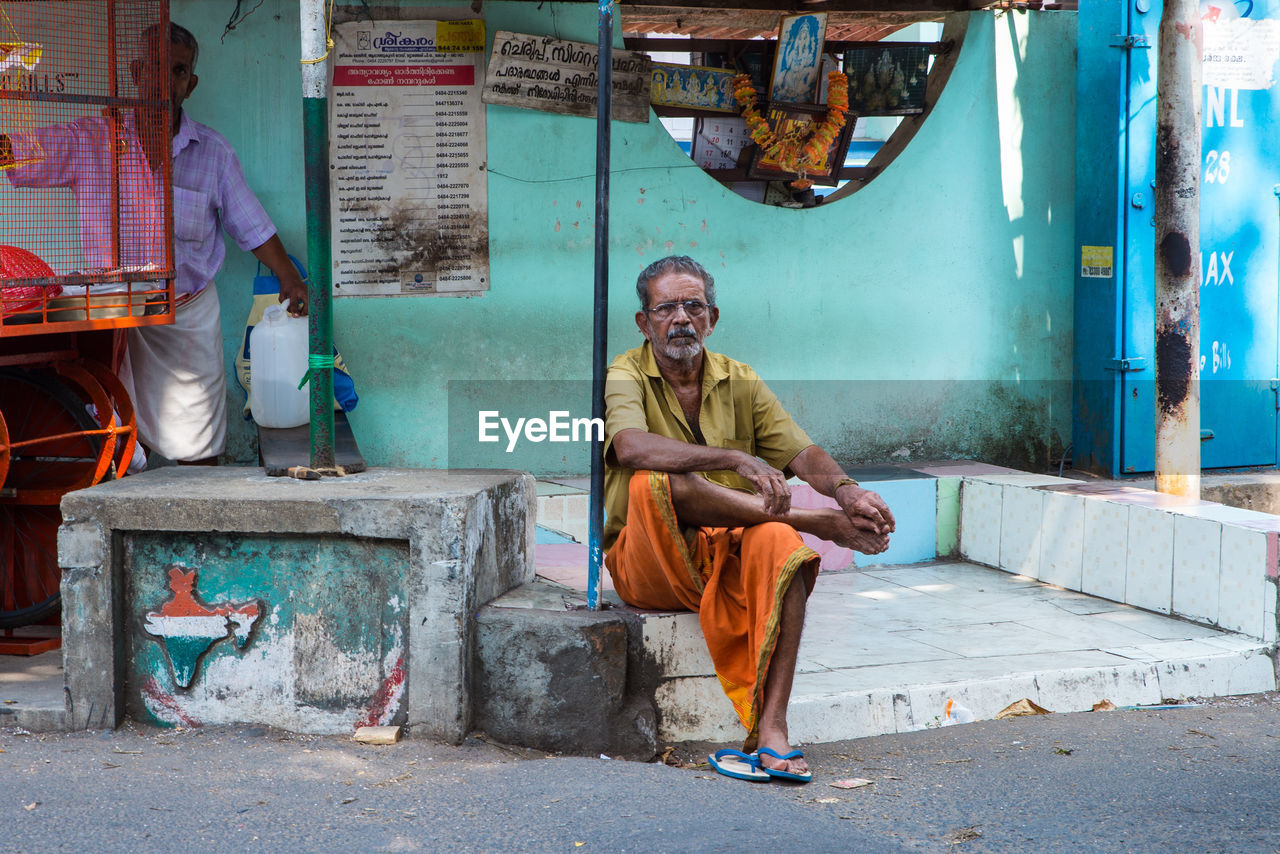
1096,262
460,36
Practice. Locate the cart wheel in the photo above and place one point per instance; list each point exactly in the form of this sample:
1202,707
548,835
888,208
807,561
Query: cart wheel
127,436
49,415
29,574
4,449
38,404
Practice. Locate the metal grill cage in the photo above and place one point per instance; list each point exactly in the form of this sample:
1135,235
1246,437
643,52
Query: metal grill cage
85,188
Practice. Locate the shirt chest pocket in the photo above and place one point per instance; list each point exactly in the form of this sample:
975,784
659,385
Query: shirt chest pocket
193,215
743,445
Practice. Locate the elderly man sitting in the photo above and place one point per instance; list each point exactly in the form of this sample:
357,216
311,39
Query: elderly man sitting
699,512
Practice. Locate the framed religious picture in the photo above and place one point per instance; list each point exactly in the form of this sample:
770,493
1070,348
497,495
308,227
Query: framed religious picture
797,63
693,87
887,80
795,124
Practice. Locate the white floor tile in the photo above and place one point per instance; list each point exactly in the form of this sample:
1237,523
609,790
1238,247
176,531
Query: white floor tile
1269,621
1062,539
1077,690
881,647
980,505
1216,675
1149,568
1025,479
1020,530
1155,626
1077,632
1197,552
1106,536
988,639
1242,579
845,714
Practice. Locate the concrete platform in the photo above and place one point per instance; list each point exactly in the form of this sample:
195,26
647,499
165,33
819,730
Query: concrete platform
198,596
1062,592
884,647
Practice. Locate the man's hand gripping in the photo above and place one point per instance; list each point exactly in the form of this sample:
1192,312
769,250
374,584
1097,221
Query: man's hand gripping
869,520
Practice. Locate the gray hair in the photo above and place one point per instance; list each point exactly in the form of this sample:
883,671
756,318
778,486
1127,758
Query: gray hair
674,264
178,34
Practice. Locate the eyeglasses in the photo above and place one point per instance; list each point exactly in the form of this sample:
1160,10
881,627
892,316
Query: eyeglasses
692,307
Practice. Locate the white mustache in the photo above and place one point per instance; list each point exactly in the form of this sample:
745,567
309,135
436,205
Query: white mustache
682,332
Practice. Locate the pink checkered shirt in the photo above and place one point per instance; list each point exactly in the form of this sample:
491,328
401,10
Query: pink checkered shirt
209,191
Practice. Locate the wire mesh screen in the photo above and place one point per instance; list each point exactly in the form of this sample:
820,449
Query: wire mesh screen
85,118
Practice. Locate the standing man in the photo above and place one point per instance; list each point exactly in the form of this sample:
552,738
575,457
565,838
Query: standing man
178,371
699,511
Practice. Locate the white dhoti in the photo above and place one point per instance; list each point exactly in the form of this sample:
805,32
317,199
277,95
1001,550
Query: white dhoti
179,381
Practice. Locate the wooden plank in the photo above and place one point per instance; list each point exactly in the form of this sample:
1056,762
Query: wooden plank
283,449
556,76
680,19
733,46
847,173
868,7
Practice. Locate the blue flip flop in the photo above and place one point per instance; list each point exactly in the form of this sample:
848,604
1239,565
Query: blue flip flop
782,775
739,765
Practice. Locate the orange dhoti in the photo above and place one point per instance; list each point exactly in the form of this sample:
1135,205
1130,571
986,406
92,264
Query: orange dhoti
734,578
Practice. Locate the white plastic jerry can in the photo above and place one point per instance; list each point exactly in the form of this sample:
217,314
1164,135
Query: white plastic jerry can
277,361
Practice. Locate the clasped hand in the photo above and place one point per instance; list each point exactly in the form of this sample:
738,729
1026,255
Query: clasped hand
870,522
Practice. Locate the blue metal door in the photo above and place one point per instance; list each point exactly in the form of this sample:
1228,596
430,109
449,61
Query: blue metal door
1239,240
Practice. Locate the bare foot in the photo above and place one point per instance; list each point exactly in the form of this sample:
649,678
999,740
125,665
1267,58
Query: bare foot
779,743
834,526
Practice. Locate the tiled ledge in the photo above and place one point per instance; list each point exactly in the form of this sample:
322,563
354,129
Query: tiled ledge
1205,562
884,648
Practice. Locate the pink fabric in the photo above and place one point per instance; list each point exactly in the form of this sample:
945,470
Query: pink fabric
209,191
833,557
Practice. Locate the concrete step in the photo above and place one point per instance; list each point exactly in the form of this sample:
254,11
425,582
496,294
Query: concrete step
884,648
31,692
1064,593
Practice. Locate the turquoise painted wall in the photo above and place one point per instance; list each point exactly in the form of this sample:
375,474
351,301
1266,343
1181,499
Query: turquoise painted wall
929,315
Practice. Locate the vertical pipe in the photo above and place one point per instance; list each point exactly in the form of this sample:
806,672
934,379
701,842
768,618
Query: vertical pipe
315,124
113,127
1177,236
600,338
166,133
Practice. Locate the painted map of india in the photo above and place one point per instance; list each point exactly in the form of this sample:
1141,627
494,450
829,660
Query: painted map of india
186,627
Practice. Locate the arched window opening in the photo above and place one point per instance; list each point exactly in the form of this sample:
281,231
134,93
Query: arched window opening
894,72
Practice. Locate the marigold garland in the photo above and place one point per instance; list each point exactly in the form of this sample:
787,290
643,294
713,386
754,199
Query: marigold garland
797,150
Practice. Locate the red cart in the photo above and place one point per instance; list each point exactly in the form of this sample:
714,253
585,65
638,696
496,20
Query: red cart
83,255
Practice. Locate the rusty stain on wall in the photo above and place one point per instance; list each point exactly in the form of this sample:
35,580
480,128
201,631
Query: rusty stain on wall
1173,355
1176,250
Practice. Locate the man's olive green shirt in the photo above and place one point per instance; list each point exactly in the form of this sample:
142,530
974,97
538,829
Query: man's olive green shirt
738,411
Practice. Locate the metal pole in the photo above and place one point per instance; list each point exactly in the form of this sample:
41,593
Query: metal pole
1177,236
600,339
315,125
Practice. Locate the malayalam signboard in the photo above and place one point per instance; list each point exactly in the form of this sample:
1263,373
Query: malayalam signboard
543,73
408,193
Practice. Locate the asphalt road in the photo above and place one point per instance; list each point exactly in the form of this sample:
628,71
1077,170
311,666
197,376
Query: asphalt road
1191,779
